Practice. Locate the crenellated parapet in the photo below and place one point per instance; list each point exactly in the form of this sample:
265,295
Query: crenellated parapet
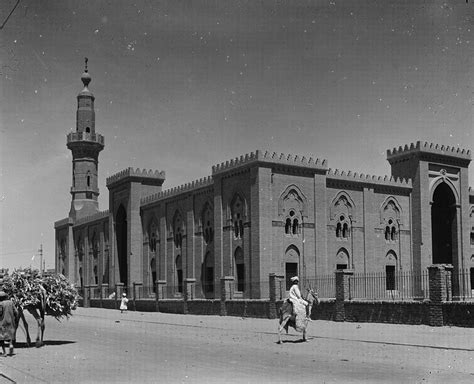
354,177
89,219
145,176
434,150
63,222
188,187
270,158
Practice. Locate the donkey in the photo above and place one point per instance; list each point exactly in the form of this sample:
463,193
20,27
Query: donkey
38,311
287,319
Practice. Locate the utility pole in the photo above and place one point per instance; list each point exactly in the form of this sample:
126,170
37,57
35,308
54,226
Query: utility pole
41,259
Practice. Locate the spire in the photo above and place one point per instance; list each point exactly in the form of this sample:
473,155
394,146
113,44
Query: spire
86,78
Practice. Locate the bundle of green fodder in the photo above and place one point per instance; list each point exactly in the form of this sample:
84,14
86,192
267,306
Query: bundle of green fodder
61,296
26,287
23,286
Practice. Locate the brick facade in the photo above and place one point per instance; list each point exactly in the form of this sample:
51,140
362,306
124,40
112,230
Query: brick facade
267,213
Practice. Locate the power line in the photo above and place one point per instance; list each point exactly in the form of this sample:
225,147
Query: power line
18,252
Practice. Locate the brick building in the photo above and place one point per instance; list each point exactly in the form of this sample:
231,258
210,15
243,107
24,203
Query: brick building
262,213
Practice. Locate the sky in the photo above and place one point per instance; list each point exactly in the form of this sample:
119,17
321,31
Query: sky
183,85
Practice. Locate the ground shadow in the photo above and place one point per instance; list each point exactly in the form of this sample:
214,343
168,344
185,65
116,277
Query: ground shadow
22,344
293,341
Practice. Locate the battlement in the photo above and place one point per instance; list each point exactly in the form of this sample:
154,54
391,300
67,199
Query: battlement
388,181
260,156
91,218
153,177
62,222
436,149
193,185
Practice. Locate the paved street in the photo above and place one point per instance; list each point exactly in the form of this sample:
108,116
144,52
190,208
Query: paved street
104,346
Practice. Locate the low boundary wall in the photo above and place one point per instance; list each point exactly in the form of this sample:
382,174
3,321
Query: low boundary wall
459,314
438,310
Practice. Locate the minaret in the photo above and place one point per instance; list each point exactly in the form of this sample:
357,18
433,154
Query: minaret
85,146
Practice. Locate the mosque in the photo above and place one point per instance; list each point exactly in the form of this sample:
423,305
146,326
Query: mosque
261,213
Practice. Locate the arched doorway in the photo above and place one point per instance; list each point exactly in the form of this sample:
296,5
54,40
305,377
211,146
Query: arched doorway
121,233
443,225
342,259
208,276
292,261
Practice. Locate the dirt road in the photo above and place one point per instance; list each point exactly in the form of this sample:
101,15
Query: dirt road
104,346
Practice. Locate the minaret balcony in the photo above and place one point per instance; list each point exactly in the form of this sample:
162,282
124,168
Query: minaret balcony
85,137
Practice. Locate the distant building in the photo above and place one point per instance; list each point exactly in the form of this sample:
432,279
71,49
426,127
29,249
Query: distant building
262,213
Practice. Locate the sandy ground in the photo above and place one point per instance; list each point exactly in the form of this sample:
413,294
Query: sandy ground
105,346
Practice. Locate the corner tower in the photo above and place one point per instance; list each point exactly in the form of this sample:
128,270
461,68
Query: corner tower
85,145
440,202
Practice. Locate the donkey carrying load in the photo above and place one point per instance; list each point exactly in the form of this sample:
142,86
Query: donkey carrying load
289,319
51,295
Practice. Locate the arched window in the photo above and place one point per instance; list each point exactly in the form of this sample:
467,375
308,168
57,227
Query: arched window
390,231
393,234
237,212
178,229
80,249
96,276
153,237
208,224
295,226
292,223
88,130
343,228
88,180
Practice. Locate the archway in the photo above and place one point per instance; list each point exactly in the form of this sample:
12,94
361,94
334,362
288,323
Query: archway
443,225
292,264
121,233
342,259
208,276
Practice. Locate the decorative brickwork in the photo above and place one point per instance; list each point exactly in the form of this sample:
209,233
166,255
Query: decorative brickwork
188,187
150,176
266,159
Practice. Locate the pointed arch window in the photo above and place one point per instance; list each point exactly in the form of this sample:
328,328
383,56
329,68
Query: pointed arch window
237,211
152,237
208,224
343,227
178,230
390,231
292,223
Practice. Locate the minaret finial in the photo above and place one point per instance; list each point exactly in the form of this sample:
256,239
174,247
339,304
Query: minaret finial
86,78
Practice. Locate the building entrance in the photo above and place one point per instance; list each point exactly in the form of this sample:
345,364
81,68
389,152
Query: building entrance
121,234
443,225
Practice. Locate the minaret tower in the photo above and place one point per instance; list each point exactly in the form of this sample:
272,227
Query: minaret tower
85,145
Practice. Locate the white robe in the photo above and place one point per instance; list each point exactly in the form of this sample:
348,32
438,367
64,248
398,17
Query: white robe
299,307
